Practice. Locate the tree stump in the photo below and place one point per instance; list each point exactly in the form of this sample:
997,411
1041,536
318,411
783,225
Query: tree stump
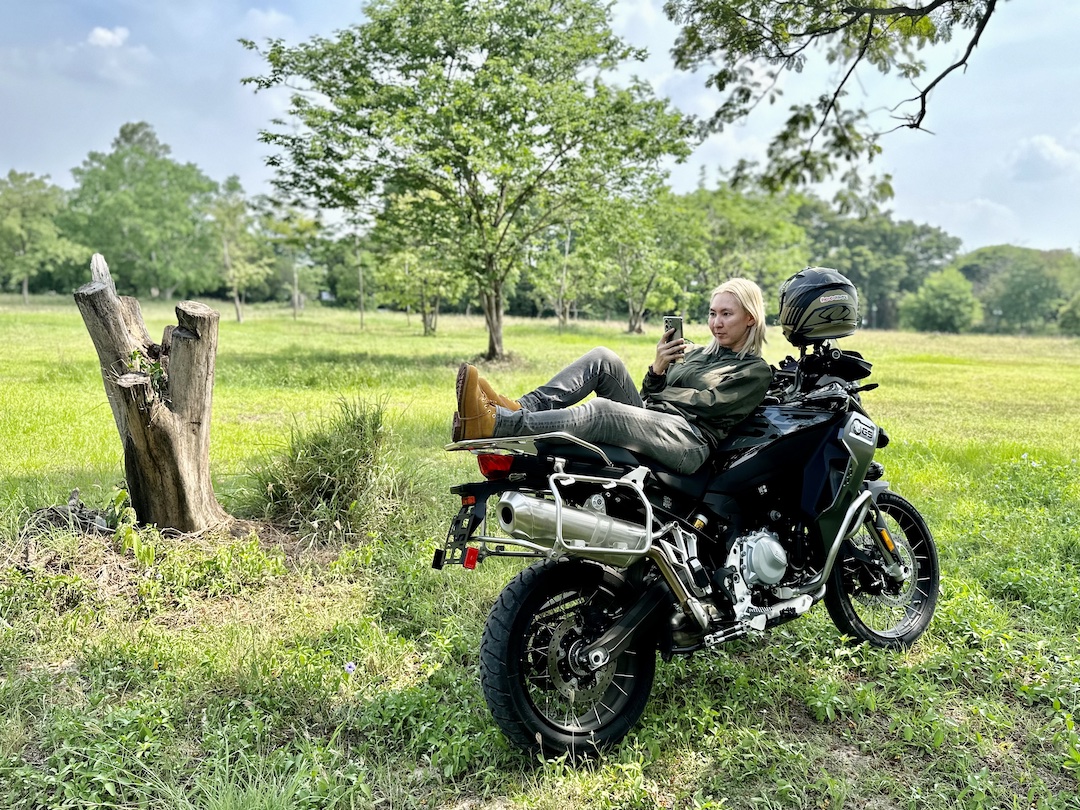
160,397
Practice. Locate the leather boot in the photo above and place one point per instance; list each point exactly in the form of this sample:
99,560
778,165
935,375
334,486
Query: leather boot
495,398
475,417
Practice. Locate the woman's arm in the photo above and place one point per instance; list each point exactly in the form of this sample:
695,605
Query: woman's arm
725,395
668,350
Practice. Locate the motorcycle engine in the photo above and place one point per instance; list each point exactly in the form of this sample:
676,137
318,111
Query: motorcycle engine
763,559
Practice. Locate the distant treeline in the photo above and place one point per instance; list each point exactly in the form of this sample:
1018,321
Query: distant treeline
167,230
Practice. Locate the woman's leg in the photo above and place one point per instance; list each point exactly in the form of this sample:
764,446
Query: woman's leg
668,438
598,370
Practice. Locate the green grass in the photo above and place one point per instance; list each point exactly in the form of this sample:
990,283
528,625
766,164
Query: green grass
211,672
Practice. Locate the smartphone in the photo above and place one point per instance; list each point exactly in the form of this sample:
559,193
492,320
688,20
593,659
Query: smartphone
674,322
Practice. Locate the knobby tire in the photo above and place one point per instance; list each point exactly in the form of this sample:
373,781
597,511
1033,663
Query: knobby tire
539,702
865,611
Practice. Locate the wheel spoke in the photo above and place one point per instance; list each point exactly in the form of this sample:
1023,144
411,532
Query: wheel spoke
532,648
865,602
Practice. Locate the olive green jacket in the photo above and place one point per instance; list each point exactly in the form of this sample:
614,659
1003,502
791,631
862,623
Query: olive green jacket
714,392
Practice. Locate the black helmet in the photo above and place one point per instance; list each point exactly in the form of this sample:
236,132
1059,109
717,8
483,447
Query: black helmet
818,304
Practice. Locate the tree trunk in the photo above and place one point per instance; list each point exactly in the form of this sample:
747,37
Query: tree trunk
360,283
492,300
238,306
161,401
295,291
560,300
493,315
229,275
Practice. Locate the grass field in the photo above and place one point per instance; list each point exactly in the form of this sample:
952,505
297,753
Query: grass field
260,668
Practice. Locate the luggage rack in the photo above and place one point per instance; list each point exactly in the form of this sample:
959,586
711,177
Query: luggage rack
526,445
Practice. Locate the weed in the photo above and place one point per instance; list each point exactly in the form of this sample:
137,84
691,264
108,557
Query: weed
324,486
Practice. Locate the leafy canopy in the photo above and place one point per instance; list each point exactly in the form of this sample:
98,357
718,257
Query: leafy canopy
146,213
492,115
30,240
750,44
944,303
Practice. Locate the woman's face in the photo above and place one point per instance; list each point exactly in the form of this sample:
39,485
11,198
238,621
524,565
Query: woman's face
729,322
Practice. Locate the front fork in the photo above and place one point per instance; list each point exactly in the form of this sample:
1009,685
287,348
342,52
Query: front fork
891,563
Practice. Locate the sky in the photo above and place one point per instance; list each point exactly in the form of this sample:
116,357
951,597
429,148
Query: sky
1002,165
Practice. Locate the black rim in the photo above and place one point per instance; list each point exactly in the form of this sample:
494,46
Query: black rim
563,692
886,608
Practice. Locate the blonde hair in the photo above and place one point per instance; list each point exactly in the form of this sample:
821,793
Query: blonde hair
749,296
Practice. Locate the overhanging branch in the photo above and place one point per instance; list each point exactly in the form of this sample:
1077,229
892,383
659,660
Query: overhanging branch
915,121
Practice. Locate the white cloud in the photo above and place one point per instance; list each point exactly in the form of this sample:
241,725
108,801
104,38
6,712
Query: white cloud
640,14
259,24
1073,137
129,68
980,221
108,37
1042,158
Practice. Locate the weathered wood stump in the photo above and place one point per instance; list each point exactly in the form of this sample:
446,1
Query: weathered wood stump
161,398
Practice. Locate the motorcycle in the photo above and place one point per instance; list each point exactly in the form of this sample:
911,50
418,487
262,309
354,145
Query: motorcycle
634,559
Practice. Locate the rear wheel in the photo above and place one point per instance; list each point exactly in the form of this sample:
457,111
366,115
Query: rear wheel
864,601
538,690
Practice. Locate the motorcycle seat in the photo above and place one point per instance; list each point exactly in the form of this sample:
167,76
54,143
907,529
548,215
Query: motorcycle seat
619,456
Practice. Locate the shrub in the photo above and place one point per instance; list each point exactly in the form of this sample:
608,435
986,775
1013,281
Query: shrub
945,303
325,484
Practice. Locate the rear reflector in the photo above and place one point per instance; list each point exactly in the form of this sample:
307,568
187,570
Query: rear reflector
471,553
494,465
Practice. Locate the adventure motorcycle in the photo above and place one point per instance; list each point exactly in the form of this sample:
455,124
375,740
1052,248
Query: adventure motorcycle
790,510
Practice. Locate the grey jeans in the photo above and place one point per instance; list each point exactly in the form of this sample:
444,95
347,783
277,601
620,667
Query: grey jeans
616,416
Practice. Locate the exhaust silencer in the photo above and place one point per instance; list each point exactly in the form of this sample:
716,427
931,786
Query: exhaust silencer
534,519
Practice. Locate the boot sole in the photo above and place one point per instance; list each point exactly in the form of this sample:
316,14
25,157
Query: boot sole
462,379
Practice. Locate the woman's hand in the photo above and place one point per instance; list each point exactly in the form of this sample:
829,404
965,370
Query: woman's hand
668,350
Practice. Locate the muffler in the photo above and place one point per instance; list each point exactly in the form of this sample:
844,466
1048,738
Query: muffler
535,519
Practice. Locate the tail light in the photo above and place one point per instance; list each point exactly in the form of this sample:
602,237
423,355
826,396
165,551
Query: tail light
495,465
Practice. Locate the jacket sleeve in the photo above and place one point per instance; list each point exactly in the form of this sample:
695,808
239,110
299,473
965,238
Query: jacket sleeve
728,395
653,383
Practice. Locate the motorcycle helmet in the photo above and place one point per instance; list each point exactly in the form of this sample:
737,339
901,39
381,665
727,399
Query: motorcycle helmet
818,304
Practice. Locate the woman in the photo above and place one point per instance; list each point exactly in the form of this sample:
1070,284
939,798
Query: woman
682,412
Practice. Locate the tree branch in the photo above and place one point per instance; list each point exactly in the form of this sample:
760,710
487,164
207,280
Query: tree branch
896,11
915,122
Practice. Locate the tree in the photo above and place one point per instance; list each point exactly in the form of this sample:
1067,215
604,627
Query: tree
347,258
496,110
30,239
293,237
750,233
1020,288
1026,297
1069,316
562,270
883,258
944,303
147,214
414,271
245,260
638,241
753,43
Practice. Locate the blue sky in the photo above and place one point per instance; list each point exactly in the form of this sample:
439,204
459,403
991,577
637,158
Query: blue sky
1002,166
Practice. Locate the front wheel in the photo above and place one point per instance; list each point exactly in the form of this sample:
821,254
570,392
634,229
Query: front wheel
541,696
869,605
